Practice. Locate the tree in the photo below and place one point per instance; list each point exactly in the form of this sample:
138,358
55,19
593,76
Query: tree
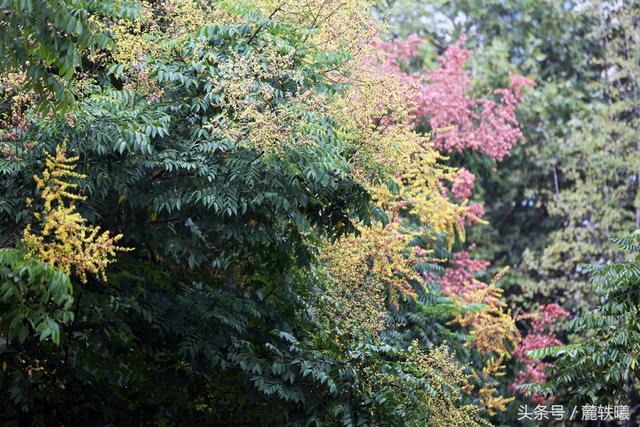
600,365
46,39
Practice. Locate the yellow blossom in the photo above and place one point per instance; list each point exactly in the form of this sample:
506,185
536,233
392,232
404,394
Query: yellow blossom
61,237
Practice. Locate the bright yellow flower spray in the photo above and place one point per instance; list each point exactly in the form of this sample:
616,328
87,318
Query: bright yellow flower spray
62,238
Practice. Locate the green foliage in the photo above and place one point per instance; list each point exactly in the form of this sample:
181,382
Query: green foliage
601,365
34,298
46,38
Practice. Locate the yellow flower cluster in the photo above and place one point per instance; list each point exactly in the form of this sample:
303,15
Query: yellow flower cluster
365,270
62,239
250,112
375,114
331,25
440,405
132,38
135,39
445,374
19,103
494,334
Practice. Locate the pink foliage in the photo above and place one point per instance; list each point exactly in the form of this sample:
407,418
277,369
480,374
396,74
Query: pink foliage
540,336
463,184
483,125
399,52
460,278
547,317
474,213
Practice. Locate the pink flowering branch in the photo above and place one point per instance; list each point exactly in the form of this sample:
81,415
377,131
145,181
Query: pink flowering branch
486,126
540,336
